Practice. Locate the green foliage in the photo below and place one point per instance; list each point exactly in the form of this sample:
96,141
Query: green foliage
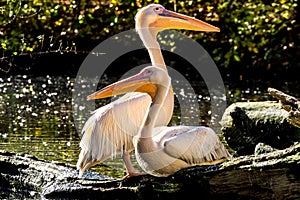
258,31
253,33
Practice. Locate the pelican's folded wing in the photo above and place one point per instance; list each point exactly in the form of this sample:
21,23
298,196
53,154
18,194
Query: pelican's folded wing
196,145
110,129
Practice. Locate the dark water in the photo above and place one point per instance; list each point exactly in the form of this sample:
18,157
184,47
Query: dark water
36,115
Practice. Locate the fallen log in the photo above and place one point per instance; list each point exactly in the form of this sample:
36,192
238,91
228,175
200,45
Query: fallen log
273,175
25,176
288,103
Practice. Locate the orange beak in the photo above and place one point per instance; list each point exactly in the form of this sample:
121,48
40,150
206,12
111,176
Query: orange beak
137,83
172,20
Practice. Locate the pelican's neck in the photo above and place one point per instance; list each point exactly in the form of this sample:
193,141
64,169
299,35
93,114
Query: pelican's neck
157,58
154,111
148,36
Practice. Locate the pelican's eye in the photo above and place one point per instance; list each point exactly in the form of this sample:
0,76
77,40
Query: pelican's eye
158,10
148,71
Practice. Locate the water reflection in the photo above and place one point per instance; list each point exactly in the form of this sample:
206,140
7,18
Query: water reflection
36,115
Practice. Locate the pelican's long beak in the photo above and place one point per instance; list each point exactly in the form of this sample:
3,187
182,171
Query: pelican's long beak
172,20
137,83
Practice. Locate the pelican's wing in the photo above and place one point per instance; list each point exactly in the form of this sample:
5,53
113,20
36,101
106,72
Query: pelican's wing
194,145
110,129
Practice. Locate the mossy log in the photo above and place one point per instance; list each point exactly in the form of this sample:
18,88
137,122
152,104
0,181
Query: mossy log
288,103
245,124
273,175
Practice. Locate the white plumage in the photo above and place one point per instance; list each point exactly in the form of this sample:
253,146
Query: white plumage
109,131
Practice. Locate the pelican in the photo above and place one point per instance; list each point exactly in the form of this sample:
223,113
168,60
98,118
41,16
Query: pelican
162,151
110,129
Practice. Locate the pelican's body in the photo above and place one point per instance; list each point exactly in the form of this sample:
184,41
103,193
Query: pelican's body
109,131
178,147
162,151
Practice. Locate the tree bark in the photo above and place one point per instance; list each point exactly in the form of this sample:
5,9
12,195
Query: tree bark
290,104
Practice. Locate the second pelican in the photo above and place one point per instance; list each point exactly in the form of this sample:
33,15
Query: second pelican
162,151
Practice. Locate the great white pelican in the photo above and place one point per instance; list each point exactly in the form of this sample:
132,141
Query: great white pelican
162,151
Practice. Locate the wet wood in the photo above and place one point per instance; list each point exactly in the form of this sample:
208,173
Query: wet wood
290,104
273,175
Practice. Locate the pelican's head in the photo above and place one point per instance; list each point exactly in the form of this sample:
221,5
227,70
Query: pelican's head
157,17
149,77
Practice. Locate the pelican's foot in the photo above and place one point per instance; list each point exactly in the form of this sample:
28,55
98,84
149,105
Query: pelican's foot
132,174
